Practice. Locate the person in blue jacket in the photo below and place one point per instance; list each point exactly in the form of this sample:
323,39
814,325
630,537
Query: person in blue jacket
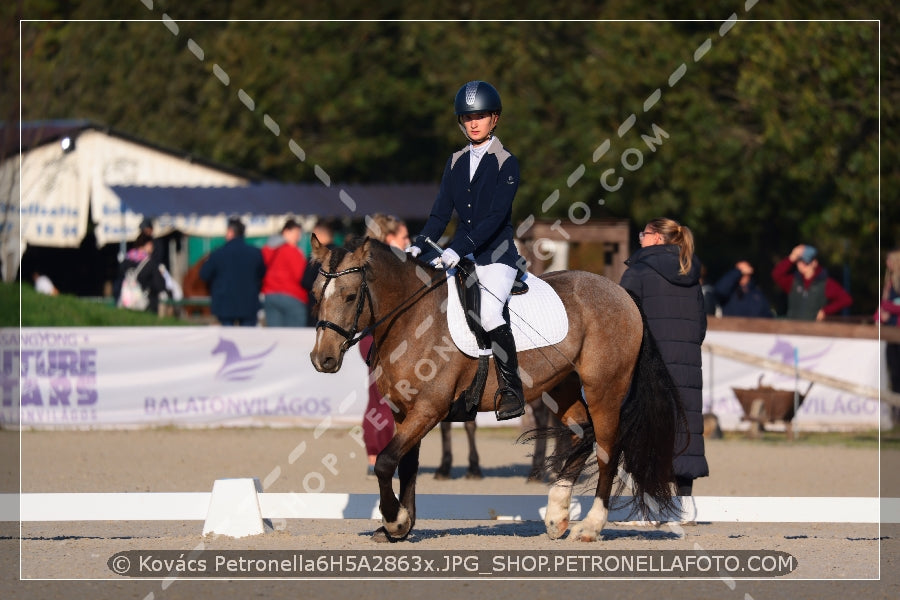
479,184
739,295
234,274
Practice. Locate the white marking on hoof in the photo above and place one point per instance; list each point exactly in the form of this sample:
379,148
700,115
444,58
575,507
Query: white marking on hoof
556,519
401,526
589,529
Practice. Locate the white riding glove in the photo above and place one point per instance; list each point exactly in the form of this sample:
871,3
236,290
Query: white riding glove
450,258
414,251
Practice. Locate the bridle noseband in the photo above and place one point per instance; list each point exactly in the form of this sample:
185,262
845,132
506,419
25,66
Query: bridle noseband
354,335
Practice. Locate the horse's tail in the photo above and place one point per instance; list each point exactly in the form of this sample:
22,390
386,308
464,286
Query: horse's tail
648,423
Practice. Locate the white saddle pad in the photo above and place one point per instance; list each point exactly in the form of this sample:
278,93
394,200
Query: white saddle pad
537,318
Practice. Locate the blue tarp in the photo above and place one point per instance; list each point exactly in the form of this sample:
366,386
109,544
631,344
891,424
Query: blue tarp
406,201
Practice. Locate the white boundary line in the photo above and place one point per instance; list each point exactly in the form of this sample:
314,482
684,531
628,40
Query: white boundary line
179,506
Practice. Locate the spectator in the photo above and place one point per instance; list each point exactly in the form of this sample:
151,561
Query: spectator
152,283
888,315
710,303
665,275
739,295
378,420
43,285
325,234
285,298
812,294
160,247
234,274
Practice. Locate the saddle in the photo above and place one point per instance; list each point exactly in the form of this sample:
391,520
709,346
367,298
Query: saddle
465,407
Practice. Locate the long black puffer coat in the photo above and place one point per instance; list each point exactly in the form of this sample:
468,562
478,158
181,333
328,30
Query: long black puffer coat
673,304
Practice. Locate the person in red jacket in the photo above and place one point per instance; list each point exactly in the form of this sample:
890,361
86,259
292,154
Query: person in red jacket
378,421
812,294
286,300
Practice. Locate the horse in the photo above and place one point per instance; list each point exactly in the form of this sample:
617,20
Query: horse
605,380
540,466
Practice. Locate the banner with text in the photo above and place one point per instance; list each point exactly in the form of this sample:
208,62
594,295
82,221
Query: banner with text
153,376
93,377
854,361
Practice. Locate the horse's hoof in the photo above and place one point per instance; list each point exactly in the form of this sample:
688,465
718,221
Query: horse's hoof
582,534
381,536
442,474
399,529
556,530
474,473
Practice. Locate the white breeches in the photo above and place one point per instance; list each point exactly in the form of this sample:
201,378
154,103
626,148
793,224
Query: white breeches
496,283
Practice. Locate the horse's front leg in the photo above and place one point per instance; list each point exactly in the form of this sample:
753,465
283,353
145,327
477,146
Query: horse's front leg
398,515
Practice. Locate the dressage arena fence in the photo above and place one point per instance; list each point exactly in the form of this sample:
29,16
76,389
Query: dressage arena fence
237,507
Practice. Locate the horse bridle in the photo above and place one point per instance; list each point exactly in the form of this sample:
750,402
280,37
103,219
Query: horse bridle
354,335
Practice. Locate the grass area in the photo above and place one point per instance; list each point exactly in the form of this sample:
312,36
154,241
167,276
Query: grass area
39,310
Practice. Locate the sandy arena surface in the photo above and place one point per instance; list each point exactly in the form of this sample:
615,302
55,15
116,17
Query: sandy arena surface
833,560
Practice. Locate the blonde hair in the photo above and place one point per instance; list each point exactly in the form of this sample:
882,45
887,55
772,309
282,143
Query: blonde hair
680,235
379,226
893,271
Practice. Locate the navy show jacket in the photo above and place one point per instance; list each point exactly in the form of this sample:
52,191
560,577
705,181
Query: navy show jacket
483,206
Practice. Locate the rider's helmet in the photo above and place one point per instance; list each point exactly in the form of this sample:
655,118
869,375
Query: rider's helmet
475,97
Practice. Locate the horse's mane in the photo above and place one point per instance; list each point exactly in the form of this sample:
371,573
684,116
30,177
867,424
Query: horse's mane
379,253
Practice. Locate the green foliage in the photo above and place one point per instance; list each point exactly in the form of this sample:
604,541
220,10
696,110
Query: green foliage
39,310
772,134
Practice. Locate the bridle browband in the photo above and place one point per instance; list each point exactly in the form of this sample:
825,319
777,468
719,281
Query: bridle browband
354,335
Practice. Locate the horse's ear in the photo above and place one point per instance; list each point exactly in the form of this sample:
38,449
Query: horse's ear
363,254
319,250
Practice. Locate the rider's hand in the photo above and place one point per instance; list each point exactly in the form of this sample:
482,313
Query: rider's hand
450,258
414,251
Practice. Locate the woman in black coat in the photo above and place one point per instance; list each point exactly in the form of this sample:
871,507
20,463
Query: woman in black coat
665,276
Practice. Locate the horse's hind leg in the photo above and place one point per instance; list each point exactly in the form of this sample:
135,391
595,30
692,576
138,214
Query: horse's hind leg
541,415
443,470
571,411
603,406
559,498
474,471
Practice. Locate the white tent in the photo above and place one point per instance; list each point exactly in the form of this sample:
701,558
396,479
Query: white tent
47,190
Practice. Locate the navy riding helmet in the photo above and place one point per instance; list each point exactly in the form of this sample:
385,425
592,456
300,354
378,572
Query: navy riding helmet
476,97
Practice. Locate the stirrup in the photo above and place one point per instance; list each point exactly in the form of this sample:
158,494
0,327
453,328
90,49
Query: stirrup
509,413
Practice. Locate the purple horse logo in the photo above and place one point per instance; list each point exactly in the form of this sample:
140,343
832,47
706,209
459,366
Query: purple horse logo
784,350
237,367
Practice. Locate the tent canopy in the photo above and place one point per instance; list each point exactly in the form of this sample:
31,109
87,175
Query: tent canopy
406,201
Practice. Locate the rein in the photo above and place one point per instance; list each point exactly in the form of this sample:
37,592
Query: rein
354,335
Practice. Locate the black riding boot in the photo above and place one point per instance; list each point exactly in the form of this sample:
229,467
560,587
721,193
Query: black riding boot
509,401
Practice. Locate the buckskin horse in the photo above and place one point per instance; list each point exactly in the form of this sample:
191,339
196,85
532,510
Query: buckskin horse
605,380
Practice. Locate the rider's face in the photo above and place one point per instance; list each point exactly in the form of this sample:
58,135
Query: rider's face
479,126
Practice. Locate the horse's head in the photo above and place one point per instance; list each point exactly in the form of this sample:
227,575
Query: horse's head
344,302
